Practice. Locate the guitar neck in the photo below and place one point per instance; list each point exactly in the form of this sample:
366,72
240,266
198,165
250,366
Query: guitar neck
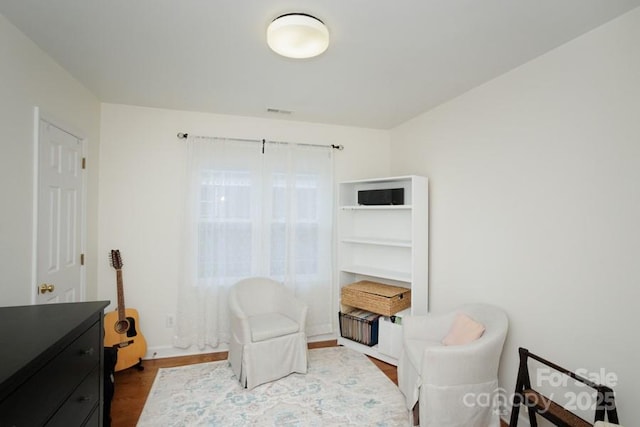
121,311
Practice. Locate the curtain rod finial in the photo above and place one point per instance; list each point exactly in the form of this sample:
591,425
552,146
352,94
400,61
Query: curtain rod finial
182,135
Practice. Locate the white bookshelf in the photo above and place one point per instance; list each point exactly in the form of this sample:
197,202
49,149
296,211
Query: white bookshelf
386,244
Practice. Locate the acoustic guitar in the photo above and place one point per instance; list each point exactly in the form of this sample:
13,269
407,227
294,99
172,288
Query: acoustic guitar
121,327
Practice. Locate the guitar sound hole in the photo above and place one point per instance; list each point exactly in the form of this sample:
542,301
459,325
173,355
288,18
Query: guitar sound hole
121,326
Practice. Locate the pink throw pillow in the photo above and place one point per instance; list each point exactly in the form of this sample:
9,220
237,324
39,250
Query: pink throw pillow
463,331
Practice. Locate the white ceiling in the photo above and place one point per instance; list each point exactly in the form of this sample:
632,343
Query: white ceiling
388,61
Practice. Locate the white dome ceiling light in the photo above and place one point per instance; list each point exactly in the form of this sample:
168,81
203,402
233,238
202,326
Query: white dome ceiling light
297,35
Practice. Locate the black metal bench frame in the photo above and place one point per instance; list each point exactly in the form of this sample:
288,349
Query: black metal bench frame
539,404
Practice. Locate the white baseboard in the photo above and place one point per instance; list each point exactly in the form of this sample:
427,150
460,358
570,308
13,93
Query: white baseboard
523,418
325,337
162,352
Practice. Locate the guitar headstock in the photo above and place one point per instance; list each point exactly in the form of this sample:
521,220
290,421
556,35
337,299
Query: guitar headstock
116,260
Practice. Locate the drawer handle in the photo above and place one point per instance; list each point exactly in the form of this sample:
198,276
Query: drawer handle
83,399
87,352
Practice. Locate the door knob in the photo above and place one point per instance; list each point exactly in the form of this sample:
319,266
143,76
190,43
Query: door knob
46,288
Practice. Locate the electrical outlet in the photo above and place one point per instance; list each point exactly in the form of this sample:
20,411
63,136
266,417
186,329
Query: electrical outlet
170,321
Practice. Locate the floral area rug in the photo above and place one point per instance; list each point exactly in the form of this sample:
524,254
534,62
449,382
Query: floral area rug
342,388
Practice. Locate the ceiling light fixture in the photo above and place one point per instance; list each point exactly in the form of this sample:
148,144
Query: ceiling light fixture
297,35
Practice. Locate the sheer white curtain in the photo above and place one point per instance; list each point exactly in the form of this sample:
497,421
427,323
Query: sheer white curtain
251,213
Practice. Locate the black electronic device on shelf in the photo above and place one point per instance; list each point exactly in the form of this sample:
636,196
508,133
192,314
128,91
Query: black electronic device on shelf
387,196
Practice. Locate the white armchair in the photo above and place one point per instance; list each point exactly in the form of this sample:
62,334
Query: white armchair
268,339
455,385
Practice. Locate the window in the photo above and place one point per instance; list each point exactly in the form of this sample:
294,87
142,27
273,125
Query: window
225,219
225,228
251,213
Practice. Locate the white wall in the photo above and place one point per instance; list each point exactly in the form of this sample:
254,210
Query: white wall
29,78
535,203
141,194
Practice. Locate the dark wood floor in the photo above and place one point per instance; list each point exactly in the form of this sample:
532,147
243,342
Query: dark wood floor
132,386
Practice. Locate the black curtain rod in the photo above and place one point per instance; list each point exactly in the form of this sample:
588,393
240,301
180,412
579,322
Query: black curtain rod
182,135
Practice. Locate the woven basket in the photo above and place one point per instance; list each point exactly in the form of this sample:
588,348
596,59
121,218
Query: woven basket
376,297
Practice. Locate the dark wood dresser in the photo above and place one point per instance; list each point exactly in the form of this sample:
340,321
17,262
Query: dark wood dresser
51,365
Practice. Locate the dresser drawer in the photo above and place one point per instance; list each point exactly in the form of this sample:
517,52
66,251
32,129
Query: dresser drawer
94,419
35,401
80,404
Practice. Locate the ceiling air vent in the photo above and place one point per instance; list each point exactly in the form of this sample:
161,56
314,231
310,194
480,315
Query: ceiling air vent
278,111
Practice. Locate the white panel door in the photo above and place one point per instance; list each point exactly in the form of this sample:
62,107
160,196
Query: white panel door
59,222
